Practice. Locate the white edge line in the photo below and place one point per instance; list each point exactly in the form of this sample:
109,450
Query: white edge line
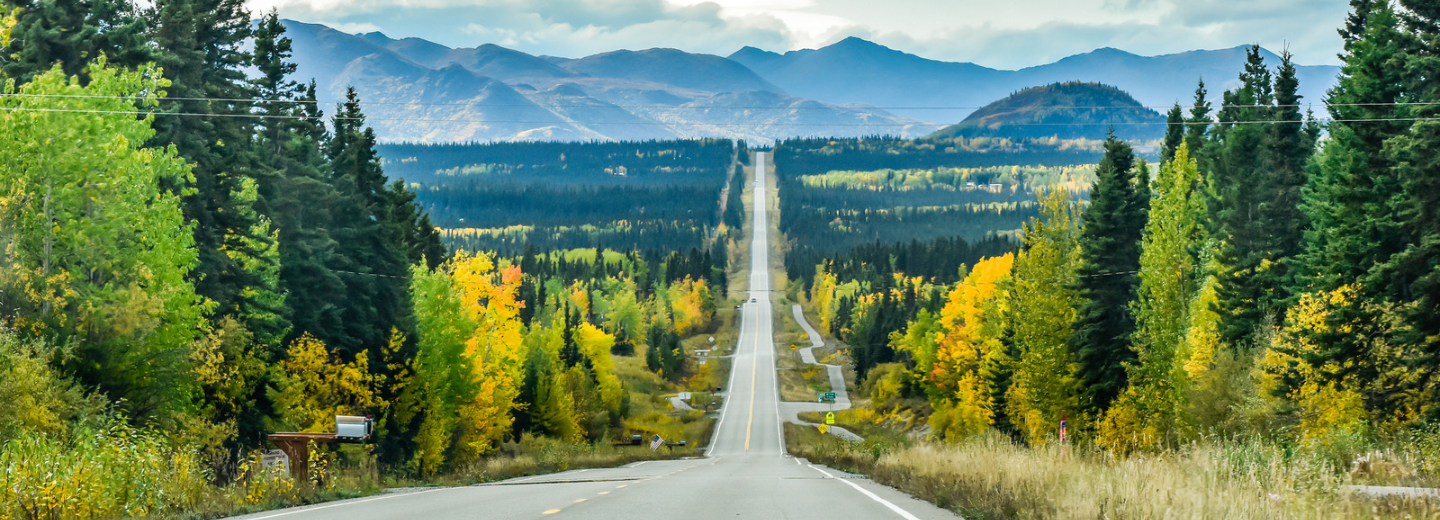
903,513
346,503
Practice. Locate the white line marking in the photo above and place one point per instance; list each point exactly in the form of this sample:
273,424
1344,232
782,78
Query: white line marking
347,503
903,513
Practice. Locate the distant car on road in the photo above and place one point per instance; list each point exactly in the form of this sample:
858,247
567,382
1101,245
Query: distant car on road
752,300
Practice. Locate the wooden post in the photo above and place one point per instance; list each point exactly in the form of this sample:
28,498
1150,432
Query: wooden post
297,447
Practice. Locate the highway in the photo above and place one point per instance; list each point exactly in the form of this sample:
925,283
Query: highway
745,474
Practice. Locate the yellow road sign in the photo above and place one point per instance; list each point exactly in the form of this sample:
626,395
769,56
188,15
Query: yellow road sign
824,429
829,417
792,346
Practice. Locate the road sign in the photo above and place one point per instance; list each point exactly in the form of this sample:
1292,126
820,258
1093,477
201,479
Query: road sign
684,396
829,417
656,442
792,346
825,396
275,460
824,429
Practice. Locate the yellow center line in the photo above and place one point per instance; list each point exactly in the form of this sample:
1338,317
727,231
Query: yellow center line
604,492
551,512
754,366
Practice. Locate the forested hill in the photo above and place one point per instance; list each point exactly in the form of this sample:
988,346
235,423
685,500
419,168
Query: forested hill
1070,110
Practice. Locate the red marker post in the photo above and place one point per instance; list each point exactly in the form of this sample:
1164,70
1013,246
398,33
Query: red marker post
1062,435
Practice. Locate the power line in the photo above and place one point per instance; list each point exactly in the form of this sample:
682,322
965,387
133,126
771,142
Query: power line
684,106
688,123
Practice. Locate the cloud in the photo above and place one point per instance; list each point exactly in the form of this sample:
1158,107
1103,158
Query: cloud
1009,35
351,27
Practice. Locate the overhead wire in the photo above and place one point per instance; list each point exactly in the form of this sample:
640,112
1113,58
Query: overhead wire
828,106
691,123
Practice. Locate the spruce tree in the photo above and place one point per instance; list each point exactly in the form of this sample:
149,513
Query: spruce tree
1174,133
201,46
1256,169
1198,124
371,257
73,33
1413,275
1109,256
1354,184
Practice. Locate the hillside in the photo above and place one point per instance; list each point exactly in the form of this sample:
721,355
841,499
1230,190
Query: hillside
858,71
1066,110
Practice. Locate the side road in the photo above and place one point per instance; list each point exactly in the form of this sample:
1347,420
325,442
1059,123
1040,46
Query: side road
791,410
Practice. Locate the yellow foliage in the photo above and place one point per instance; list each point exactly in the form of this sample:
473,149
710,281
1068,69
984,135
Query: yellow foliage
315,387
595,345
692,305
1127,427
966,342
1327,399
493,349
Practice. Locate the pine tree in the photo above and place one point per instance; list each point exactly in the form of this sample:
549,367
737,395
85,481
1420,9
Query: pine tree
1413,275
1256,169
1348,199
1198,124
1110,255
73,33
201,48
1174,133
370,255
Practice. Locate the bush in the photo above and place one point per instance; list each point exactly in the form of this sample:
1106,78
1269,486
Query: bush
110,472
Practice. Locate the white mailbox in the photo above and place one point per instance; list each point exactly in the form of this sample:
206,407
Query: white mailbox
352,427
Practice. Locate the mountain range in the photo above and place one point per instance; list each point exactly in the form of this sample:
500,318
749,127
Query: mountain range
421,91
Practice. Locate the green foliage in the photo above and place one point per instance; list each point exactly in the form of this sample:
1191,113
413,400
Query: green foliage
1044,388
1107,278
97,253
1070,110
72,34
108,472
1255,175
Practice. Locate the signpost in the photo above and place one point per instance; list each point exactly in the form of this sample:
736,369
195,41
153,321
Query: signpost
684,396
275,460
829,417
825,397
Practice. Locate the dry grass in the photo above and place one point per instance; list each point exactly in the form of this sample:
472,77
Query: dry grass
991,477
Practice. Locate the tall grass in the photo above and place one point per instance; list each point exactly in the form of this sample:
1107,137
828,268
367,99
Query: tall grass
991,477
110,472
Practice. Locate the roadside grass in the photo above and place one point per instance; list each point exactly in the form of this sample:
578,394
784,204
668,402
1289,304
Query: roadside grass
991,477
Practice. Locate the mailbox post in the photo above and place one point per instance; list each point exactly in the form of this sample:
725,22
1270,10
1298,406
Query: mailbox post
296,445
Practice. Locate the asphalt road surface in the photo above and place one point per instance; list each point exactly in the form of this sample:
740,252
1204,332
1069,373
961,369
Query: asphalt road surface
746,473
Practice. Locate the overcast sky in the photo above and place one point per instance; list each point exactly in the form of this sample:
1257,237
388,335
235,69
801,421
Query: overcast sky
1004,34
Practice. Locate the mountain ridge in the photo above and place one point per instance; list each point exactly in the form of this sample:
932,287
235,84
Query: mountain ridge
851,88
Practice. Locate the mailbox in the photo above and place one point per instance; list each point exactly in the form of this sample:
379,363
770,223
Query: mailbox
352,427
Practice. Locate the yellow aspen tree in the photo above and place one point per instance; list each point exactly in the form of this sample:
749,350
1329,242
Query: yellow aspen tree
595,346
314,386
470,360
969,337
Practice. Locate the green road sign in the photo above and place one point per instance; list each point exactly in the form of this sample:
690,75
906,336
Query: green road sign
829,396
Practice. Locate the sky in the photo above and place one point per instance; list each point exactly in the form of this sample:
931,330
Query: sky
1005,34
